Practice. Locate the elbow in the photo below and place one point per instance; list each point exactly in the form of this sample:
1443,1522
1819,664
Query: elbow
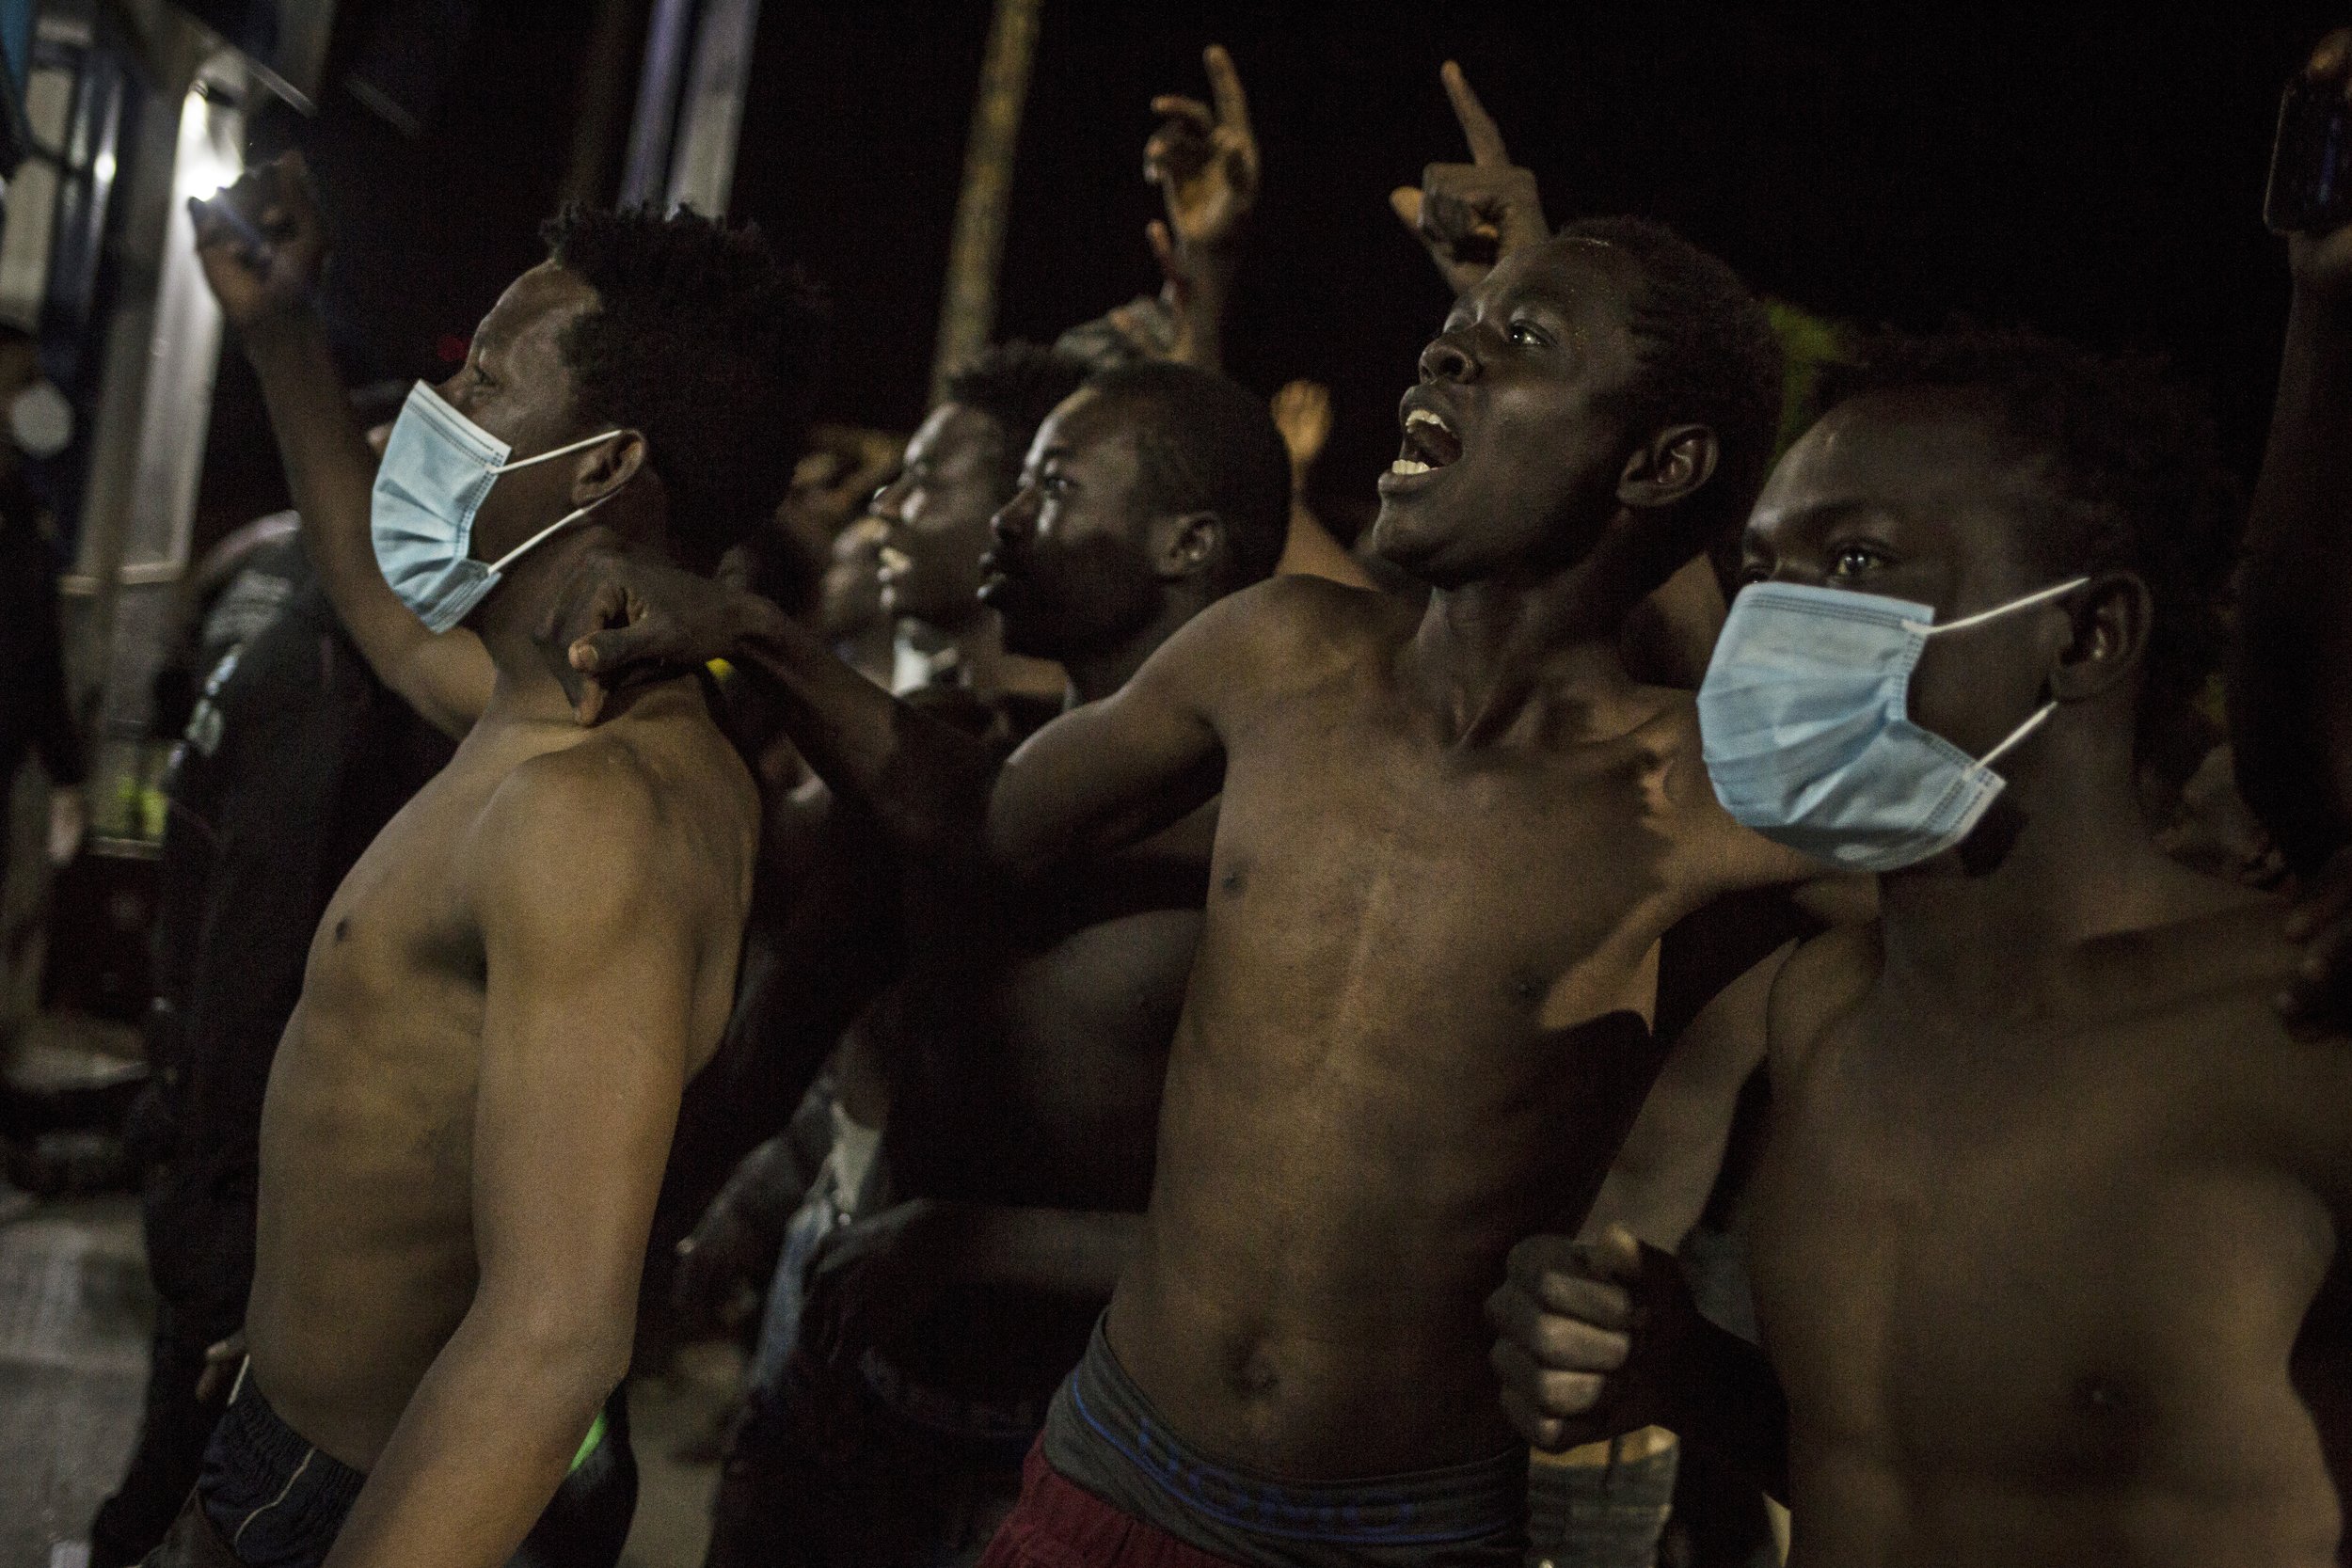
570,1358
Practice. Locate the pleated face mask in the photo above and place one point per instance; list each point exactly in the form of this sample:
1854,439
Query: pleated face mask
1806,726
437,470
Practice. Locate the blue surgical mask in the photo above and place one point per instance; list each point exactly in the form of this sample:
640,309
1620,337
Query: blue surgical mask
438,470
1804,722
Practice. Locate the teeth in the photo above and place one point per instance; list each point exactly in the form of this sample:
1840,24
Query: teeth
1422,416
1406,466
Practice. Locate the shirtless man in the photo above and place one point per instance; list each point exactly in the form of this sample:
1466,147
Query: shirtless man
2044,1238
469,1115
1448,844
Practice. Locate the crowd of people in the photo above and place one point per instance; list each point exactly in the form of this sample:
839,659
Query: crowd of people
1582,1028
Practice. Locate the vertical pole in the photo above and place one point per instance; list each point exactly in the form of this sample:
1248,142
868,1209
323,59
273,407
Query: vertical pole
967,307
154,409
710,118
646,175
603,92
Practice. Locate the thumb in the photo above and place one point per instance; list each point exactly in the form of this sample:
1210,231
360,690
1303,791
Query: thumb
1617,1255
1405,202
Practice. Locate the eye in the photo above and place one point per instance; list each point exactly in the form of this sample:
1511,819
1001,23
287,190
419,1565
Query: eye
1853,561
1053,485
1525,334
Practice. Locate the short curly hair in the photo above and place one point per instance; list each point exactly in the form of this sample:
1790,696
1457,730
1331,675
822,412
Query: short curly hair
1205,443
1016,385
1709,357
708,345
2136,476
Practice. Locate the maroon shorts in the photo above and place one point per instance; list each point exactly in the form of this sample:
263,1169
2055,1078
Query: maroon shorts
1059,1524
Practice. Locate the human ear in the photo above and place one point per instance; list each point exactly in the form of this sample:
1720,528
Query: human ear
606,466
2111,621
1668,468
1188,545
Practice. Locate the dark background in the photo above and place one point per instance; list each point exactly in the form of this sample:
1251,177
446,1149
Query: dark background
2096,178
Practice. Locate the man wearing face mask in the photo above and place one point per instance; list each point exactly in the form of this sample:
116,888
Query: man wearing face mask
35,715
469,1115
2045,1239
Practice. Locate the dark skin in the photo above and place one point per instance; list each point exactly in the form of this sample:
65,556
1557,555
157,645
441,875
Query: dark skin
935,516
1427,1034
2290,695
2047,1225
1024,1051
469,1115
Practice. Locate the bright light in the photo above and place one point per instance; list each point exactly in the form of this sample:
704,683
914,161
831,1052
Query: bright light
103,166
206,163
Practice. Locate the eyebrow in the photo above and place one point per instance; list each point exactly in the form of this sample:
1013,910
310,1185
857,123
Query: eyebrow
1828,512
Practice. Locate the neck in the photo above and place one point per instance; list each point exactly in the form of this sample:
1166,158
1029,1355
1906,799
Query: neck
528,654
1486,652
1097,674
2079,863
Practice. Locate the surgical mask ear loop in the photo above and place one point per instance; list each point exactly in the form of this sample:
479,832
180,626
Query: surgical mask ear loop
1927,629
499,566
2041,713
563,522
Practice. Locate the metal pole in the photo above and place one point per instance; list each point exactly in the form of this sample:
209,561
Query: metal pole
646,174
710,121
967,307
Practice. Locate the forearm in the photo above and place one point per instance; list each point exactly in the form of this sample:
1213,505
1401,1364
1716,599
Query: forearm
331,475
921,779
1199,307
2291,687
486,1439
1726,1397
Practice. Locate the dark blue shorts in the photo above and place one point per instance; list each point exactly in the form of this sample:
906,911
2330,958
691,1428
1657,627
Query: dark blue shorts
279,1502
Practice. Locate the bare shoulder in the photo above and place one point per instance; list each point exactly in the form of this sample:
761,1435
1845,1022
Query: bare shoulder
1822,981
634,814
1290,632
2201,992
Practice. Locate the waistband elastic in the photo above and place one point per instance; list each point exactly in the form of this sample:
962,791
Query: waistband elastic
1102,1433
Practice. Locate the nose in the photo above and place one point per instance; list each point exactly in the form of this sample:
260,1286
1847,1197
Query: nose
1016,520
1448,358
888,503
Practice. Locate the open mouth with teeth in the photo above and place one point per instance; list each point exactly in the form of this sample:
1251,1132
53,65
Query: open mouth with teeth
1430,443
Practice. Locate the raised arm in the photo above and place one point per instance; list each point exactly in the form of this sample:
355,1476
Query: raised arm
2290,685
1115,772
1471,216
1205,160
261,244
593,969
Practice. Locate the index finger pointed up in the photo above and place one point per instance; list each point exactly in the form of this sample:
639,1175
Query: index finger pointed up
1478,126
1232,105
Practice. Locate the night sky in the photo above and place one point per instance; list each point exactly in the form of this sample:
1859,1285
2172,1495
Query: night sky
2099,180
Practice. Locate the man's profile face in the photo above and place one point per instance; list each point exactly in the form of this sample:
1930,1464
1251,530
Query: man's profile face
1914,495
1071,571
936,517
1512,448
517,384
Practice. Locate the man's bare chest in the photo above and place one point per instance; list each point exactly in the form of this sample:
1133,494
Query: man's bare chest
1373,857
401,924
2053,1243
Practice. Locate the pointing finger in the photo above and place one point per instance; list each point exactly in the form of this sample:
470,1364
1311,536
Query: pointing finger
1232,105
1405,202
1478,127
